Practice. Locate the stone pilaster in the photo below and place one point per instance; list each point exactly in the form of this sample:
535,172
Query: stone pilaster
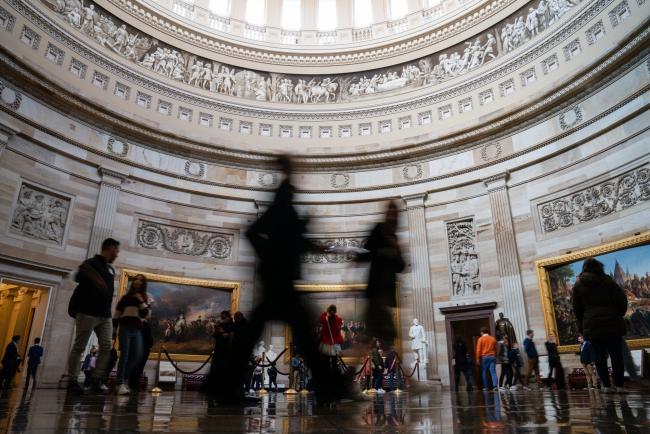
421,275
109,192
507,257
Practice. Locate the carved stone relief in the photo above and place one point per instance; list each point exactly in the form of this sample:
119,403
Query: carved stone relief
7,20
491,151
571,117
463,254
340,180
184,241
412,172
224,79
267,179
40,214
117,147
335,258
195,169
588,204
10,97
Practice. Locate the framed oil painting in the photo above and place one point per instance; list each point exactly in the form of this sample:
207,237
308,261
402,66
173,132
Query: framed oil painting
184,312
350,302
626,261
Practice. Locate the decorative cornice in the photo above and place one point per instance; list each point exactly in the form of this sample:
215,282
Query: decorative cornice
414,42
496,182
112,177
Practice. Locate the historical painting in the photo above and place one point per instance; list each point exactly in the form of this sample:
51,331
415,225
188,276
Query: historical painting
185,312
350,302
626,261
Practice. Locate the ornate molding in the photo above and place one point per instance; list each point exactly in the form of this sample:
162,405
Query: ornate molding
591,203
224,79
195,169
334,258
435,35
10,97
412,172
181,240
117,147
571,117
464,267
491,151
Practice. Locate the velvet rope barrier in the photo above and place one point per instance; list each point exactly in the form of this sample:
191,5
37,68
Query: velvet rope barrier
412,372
273,362
276,368
186,372
360,371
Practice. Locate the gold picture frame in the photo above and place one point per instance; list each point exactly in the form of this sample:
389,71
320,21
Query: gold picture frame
344,287
542,268
224,285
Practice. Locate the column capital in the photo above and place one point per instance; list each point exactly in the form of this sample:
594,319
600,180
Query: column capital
415,200
497,181
112,177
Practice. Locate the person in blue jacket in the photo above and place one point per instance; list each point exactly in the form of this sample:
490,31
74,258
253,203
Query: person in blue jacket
34,356
587,358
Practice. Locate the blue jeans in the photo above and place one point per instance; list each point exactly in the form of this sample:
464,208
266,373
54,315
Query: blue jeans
131,349
489,363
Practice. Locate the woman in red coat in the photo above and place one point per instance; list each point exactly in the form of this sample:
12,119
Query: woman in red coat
330,335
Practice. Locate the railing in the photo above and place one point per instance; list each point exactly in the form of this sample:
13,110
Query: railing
219,23
234,26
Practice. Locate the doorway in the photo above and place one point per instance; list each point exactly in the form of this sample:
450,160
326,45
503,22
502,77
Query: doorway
23,308
465,321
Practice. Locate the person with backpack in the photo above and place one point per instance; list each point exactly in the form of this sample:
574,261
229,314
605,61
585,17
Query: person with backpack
90,306
516,363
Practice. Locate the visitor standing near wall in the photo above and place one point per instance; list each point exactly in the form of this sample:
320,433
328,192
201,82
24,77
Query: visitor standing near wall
377,367
130,313
515,364
600,305
486,352
554,362
330,339
90,306
506,367
10,362
34,356
587,359
533,359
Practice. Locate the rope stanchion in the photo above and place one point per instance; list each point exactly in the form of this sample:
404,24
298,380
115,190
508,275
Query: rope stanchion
156,387
183,371
360,371
262,390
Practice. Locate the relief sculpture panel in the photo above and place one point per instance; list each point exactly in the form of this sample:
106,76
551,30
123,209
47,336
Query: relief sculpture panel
323,258
463,255
224,79
184,241
40,214
629,189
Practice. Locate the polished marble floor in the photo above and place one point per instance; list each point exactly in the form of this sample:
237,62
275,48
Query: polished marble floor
49,411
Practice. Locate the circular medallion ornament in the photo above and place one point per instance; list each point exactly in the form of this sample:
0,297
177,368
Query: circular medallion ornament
117,147
267,179
491,151
340,180
10,97
195,169
571,117
149,236
219,247
412,172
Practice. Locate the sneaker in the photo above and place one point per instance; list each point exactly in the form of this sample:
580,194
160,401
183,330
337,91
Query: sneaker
99,387
123,389
503,388
75,389
527,388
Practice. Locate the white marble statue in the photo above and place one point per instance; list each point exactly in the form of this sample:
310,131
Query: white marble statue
271,354
418,341
259,349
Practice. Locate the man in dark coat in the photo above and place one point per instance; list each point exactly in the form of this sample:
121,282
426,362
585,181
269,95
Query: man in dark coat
10,362
386,261
462,365
600,305
278,238
34,356
91,307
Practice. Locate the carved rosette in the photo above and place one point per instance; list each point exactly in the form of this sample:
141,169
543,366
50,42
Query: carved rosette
333,258
616,194
183,241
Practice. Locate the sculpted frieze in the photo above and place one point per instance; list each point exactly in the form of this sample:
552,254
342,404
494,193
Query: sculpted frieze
334,258
463,254
224,79
184,241
615,194
40,214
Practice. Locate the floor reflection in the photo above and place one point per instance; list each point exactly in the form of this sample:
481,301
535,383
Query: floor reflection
435,412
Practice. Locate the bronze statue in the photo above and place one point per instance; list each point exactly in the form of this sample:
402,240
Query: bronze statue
505,328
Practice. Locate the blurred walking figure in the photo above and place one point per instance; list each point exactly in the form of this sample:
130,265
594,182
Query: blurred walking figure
554,362
600,305
278,238
506,367
34,356
386,261
10,362
462,365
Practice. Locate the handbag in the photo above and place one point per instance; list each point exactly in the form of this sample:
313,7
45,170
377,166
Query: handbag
329,349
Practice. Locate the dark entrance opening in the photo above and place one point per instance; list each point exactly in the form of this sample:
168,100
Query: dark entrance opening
465,322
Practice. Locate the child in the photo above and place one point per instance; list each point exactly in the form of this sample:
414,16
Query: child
90,361
515,363
33,360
